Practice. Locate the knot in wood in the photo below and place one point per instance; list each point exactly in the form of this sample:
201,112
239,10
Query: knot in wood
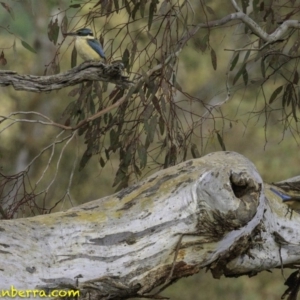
247,190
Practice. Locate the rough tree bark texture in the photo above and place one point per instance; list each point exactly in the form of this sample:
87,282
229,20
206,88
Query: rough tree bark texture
88,71
212,212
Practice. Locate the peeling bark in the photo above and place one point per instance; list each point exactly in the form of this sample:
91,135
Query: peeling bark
213,212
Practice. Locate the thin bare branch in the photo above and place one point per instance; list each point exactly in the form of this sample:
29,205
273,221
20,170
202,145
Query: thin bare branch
256,29
59,161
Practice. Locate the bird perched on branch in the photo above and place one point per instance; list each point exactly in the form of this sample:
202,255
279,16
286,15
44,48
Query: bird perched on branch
289,198
86,45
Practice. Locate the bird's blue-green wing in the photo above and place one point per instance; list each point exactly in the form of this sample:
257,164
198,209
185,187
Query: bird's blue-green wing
97,47
284,197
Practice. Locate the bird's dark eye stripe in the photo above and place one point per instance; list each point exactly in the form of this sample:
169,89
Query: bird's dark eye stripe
90,34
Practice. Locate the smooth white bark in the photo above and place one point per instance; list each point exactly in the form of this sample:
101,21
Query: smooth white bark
210,212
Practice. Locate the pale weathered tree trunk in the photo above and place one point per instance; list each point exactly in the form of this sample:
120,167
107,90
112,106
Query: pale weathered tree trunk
213,212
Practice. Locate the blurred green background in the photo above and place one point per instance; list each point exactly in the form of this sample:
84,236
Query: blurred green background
243,122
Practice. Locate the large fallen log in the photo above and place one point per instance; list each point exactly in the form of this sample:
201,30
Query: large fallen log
213,212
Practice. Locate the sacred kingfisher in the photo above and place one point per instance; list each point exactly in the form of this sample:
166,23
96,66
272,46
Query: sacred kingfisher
291,200
86,45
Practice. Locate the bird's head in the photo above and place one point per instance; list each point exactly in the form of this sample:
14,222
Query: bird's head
84,32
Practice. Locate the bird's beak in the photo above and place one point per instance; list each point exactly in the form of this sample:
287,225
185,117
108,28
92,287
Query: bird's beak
70,33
